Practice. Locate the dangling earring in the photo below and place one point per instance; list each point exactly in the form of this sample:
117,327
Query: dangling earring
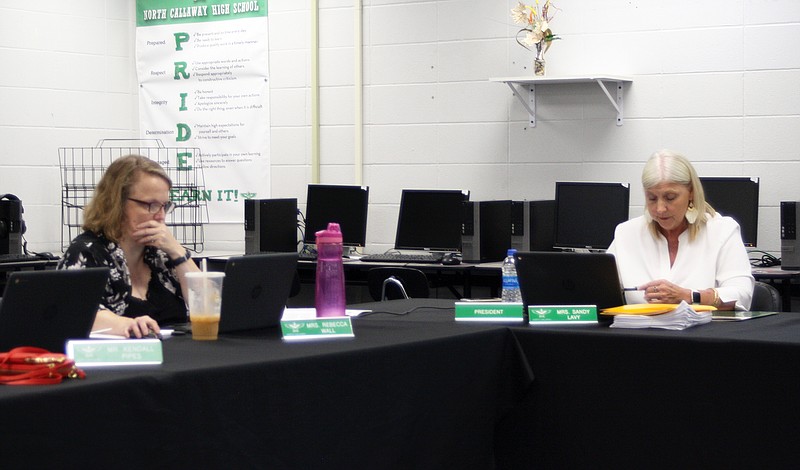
691,213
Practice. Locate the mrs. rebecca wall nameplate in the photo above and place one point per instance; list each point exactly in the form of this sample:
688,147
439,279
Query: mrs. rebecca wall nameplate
501,312
301,327
561,314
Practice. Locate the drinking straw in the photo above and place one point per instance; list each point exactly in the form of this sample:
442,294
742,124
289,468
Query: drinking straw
206,280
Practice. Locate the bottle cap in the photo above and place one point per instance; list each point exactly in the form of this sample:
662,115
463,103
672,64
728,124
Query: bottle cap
331,235
511,251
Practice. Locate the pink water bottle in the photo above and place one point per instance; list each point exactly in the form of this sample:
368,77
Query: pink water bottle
329,294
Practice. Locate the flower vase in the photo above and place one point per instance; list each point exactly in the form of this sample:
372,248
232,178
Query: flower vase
538,67
538,61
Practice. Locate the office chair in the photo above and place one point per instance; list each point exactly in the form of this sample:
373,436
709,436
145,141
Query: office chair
766,298
397,283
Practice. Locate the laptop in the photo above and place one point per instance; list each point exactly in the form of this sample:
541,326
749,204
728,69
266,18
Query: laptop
569,278
255,290
47,308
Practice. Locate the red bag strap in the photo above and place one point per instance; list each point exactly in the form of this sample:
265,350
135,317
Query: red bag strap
36,366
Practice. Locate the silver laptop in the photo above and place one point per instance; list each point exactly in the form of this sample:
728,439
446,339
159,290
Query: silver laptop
47,308
569,278
255,290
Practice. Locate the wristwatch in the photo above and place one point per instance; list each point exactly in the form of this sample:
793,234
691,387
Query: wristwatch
179,261
695,297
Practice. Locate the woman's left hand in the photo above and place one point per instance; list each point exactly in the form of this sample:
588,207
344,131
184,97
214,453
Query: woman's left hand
662,291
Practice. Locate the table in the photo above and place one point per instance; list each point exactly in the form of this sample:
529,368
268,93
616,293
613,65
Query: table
396,396
715,396
35,264
720,395
415,389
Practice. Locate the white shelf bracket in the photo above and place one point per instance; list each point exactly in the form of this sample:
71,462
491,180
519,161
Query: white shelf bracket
520,85
530,103
617,104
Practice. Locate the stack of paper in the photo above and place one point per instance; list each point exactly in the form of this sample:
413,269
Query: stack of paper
680,318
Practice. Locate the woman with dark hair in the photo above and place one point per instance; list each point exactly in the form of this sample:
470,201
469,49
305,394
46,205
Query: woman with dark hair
124,230
681,248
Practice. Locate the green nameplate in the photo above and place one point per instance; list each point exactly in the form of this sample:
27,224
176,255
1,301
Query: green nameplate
561,314
316,328
505,312
115,352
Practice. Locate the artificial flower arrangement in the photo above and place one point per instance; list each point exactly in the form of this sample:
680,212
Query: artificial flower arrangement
538,34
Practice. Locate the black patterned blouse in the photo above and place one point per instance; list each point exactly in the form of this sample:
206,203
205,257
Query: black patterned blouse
164,299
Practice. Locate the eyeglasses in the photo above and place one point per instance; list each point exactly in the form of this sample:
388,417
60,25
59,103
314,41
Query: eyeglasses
154,207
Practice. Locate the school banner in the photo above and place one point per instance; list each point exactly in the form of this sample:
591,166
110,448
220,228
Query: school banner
204,82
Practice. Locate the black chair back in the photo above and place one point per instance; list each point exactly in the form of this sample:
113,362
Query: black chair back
766,298
413,281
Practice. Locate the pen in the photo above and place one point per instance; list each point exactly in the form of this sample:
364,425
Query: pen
102,331
630,288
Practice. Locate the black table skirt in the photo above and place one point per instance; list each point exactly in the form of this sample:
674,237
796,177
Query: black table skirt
720,395
715,396
399,395
415,389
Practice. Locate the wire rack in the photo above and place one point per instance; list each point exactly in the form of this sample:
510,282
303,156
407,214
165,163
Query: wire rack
82,168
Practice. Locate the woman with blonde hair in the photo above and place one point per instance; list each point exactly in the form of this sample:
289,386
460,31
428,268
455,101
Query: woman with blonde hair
681,248
124,230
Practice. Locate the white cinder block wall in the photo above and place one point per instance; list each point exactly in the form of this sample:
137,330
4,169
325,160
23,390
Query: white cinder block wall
717,80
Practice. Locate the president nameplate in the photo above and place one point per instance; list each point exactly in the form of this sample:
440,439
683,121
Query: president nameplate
501,312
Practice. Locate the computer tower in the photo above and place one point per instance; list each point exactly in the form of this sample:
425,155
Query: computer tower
790,249
270,225
485,231
10,227
533,225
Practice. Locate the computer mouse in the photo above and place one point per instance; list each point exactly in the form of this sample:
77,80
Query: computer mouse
450,259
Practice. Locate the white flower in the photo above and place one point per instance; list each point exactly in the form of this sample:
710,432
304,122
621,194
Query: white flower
520,14
543,25
533,38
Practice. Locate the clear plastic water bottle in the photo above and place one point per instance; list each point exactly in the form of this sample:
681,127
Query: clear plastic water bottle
329,294
510,280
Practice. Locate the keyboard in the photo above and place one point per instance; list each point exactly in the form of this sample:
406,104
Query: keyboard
17,257
307,256
403,258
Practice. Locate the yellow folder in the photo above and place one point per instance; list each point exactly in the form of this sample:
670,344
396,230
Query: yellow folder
651,309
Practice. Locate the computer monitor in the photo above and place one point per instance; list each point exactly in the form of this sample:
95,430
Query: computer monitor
346,205
430,219
270,225
736,197
588,213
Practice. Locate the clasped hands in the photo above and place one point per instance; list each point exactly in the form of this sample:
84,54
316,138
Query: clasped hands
664,292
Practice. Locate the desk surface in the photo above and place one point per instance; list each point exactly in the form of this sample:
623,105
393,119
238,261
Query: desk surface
395,396
414,389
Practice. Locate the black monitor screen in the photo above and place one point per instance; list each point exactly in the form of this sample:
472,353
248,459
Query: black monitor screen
345,205
736,197
430,219
588,213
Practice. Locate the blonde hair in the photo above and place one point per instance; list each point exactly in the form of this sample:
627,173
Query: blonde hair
666,166
105,213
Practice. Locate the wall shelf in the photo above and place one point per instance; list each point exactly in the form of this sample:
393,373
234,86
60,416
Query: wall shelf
524,88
